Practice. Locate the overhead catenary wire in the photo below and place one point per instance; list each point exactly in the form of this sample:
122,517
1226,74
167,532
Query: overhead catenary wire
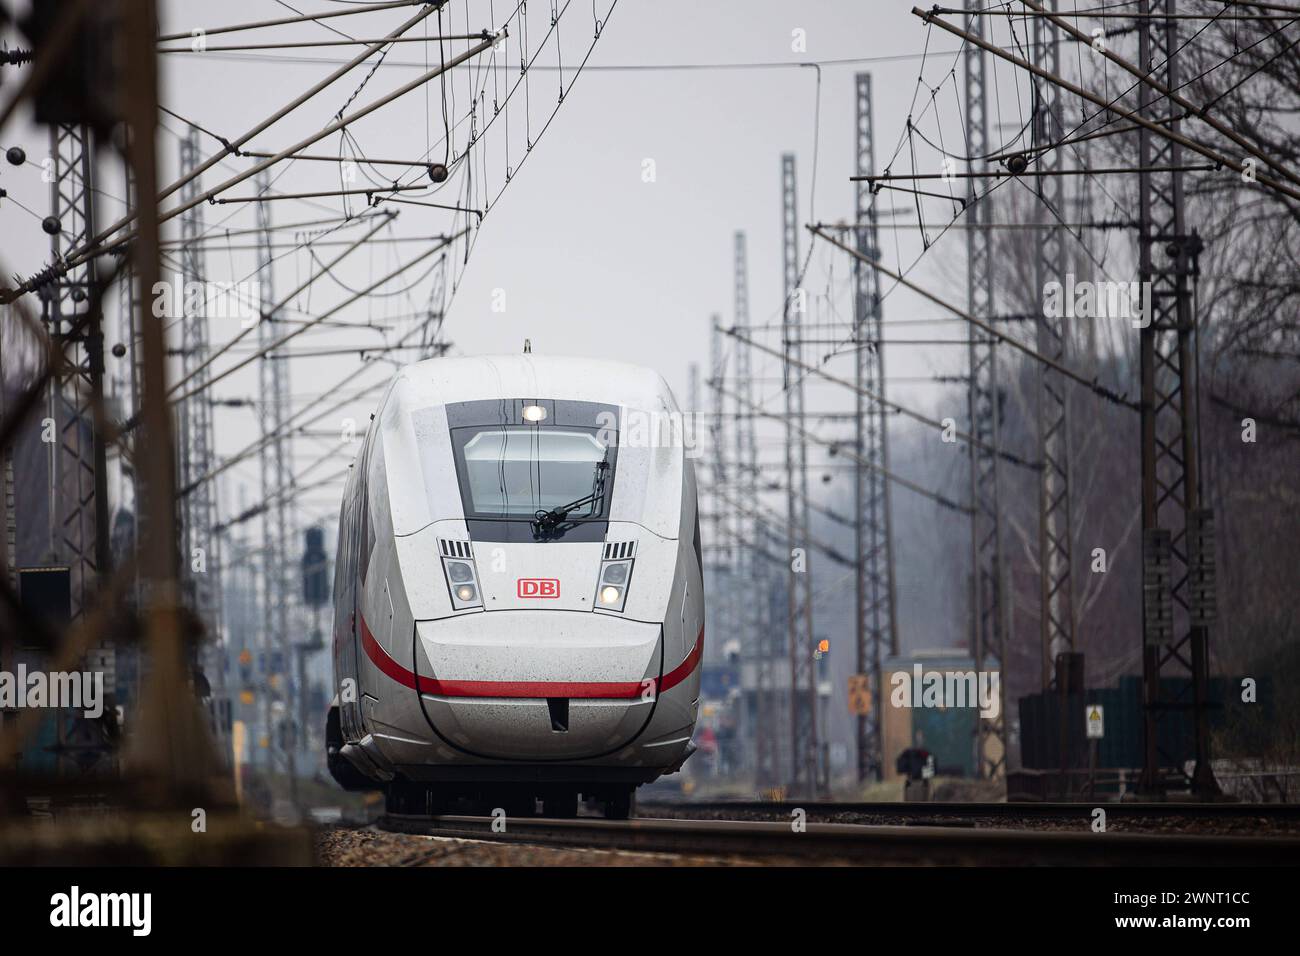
300,18
224,373
285,300
1091,384
852,456
1193,110
1284,189
100,243
808,369
284,45
1008,174
1106,15
329,129
289,427
1002,150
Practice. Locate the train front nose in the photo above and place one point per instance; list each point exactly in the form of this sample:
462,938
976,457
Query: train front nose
538,685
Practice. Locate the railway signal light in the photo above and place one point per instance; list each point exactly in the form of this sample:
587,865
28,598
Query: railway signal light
315,569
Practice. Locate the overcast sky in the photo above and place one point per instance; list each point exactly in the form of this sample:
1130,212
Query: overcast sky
592,259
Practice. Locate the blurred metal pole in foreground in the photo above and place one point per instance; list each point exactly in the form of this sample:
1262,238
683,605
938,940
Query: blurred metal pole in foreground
169,747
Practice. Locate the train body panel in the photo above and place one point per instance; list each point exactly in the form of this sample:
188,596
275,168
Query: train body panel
518,593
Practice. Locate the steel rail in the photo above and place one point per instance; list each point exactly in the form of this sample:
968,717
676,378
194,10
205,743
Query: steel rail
1035,809
856,843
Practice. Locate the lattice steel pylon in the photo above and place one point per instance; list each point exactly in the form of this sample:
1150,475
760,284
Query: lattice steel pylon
200,547
723,537
82,518
79,510
875,615
988,637
273,399
760,643
1178,600
722,582
804,752
1056,598
128,388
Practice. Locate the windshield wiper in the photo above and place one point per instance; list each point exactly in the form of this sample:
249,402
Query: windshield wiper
546,521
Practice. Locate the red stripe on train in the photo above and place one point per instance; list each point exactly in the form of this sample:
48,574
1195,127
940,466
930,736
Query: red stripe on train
614,690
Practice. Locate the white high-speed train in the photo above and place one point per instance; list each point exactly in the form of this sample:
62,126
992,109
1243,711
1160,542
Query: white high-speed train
518,597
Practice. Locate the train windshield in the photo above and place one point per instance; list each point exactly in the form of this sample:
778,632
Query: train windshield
516,472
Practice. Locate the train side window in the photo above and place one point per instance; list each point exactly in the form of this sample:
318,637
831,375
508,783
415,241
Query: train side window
340,561
350,545
370,535
366,532
699,554
365,539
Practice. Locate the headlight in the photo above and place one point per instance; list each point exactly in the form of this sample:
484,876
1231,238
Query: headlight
611,589
462,582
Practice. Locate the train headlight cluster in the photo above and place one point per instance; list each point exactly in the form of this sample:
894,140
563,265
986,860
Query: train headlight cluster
462,582
611,591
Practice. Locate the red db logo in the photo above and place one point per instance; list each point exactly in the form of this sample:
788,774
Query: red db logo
537,587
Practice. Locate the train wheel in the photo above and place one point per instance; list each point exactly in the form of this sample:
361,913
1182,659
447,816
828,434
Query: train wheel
563,804
515,804
621,805
400,797
404,796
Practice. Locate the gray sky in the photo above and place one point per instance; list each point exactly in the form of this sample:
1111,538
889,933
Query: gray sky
592,259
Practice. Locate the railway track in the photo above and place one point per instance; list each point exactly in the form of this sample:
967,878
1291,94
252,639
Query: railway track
1289,811
1282,816
848,843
